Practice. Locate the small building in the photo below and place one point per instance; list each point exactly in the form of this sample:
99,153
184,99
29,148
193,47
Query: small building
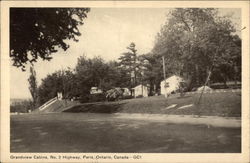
140,90
59,96
95,90
171,84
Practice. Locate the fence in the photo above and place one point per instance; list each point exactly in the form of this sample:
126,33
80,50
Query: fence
46,104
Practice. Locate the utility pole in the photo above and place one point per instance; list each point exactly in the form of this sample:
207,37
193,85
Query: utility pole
164,75
63,86
164,69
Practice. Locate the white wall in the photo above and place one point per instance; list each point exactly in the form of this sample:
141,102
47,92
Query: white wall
141,90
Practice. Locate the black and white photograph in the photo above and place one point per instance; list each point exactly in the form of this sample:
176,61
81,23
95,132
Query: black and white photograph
102,82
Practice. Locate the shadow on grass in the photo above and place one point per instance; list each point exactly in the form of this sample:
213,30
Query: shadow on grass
183,97
108,108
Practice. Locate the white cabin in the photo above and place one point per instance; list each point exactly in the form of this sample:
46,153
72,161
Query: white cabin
140,90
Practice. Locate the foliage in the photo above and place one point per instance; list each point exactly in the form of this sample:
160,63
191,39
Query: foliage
118,76
22,106
90,73
152,72
39,32
129,63
69,82
33,87
60,81
193,39
50,85
78,82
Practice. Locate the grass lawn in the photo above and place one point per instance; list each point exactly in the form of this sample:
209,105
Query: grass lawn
226,104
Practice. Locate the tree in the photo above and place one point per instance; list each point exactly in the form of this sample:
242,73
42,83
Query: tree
98,73
23,106
78,82
50,85
193,39
115,77
129,62
118,76
60,81
91,73
33,87
39,32
70,88
152,72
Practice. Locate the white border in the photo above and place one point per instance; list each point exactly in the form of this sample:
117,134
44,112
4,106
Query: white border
182,157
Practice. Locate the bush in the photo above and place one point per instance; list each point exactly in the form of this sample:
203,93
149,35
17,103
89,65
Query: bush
22,106
218,86
92,98
97,97
84,99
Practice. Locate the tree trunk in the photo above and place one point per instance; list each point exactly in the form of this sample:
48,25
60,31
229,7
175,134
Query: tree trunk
197,75
235,75
208,83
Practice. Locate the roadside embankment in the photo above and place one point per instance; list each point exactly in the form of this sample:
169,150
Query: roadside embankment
225,104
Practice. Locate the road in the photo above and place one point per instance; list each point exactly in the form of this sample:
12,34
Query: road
90,132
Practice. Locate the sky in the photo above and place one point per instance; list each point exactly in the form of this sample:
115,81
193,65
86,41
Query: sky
106,33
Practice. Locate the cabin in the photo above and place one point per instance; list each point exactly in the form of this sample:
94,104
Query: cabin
140,91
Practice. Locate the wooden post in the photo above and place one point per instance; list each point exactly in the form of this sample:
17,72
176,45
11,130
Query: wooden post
164,75
164,69
142,90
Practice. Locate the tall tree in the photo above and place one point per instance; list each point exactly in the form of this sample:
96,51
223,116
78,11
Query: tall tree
69,83
50,85
91,73
39,32
130,63
193,39
152,72
78,82
33,87
115,76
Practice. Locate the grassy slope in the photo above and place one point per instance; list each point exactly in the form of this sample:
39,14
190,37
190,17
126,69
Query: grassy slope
214,104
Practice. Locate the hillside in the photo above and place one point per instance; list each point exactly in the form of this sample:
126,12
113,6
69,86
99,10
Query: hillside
212,104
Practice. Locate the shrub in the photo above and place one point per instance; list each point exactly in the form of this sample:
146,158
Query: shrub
22,106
